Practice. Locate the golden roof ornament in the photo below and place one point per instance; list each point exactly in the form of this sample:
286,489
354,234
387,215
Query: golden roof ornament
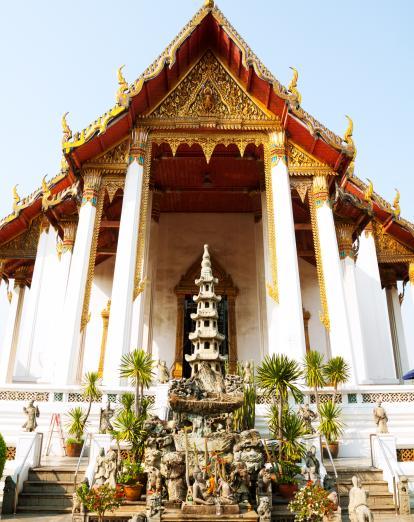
67,133
369,191
349,131
16,199
46,194
209,4
121,98
396,204
293,85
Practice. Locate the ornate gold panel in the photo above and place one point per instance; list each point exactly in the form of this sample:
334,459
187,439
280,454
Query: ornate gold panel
389,250
301,163
23,246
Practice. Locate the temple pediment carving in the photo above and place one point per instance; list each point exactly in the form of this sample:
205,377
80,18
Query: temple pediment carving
389,250
303,164
23,246
209,91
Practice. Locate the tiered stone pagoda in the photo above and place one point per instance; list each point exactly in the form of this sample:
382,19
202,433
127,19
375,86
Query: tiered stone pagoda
206,338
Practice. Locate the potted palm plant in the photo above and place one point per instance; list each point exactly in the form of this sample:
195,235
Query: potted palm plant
137,366
336,372
313,370
331,426
278,376
78,418
131,479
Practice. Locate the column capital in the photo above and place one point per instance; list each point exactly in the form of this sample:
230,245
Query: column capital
91,183
277,146
320,191
21,276
2,268
344,232
411,272
138,145
389,278
68,227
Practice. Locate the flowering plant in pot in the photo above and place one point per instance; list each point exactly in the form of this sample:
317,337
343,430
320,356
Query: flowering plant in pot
99,499
131,479
311,503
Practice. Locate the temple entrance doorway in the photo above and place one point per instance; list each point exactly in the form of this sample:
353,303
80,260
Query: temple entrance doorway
190,307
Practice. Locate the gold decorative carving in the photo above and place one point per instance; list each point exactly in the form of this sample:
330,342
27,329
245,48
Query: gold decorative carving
139,279
396,205
293,86
301,186
272,286
138,145
23,246
121,94
21,276
113,186
320,191
117,155
301,163
411,272
324,313
306,318
91,183
209,91
277,147
2,267
389,249
66,131
369,191
344,233
69,233
105,320
16,199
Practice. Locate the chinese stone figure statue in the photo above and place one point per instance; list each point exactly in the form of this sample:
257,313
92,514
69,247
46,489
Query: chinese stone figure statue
358,503
381,419
163,373
264,510
105,425
307,416
32,412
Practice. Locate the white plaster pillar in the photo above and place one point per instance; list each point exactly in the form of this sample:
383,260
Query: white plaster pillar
285,325
29,319
66,370
124,284
344,233
396,323
334,313
378,352
11,336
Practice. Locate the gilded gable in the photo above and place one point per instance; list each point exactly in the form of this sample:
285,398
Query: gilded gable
389,250
209,91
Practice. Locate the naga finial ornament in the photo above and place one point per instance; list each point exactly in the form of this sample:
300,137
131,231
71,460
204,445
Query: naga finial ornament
396,204
46,194
67,133
349,132
16,199
121,98
369,191
294,84
209,3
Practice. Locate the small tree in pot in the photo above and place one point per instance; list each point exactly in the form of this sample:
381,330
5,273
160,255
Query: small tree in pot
331,426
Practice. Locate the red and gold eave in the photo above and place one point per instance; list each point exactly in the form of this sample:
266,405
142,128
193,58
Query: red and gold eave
210,34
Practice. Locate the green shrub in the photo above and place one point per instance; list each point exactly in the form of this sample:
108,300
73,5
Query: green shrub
3,453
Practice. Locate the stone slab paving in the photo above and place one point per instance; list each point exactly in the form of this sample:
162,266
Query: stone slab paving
21,517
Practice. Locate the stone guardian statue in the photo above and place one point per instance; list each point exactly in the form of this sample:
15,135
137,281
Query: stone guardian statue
32,413
381,419
358,503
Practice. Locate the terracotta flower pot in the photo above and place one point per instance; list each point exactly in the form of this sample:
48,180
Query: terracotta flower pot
73,449
288,490
333,448
133,492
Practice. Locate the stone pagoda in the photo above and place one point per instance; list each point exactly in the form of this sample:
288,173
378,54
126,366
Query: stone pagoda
206,339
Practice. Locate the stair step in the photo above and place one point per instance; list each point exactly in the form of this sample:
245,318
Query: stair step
53,475
43,509
61,500
44,486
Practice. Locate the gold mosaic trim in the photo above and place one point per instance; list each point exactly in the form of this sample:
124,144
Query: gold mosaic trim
324,314
273,287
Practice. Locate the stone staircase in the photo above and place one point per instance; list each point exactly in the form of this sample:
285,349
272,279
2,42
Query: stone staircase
48,489
380,500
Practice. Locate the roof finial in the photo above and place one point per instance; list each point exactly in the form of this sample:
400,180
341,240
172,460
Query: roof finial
349,131
396,204
67,133
121,98
369,191
209,4
16,198
293,85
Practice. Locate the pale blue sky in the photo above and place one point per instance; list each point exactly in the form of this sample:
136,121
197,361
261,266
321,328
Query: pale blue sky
353,57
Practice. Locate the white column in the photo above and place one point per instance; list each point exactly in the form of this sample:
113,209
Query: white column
122,299
378,353
334,311
344,233
75,293
29,320
396,324
11,337
291,334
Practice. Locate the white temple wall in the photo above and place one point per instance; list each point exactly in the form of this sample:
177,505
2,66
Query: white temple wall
318,337
100,294
231,240
4,307
407,312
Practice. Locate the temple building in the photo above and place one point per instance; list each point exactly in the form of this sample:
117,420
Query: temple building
205,147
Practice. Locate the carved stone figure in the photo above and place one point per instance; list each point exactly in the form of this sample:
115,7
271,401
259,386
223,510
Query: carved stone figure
248,373
381,419
31,412
264,481
307,416
199,490
404,496
105,425
173,469
163,373
358,503
264,509
225,492
312,466
99,473
336,516
105,469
